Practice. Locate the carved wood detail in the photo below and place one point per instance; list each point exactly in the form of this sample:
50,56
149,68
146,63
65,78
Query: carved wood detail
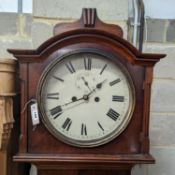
89,20
6,120
7,91
8,70
89,17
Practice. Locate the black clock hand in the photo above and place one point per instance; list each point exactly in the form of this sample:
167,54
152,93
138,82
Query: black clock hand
98,86
73,101
85,97
86,83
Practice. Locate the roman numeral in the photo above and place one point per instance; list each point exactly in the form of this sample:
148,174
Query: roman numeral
83,129
103,69
57,78
53,96
113,114
70,67
100,126
114,82
118,98
87,63
66,125
56,111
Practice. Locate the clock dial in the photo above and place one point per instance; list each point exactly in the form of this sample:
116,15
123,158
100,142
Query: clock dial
86,99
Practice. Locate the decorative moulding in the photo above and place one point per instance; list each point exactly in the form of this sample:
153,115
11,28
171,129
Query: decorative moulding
8,70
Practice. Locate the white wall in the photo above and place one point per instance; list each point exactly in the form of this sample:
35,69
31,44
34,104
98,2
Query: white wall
163,9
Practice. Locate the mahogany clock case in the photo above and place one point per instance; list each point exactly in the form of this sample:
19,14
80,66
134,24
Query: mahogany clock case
91,35
41,141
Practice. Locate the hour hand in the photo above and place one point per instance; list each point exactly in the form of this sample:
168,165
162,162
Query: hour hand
99,85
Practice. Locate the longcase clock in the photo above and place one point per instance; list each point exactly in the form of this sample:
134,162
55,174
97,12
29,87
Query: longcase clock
92,89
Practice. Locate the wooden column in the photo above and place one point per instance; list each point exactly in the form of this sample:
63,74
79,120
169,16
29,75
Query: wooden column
7,92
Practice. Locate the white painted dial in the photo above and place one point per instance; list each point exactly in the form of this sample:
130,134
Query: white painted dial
86,99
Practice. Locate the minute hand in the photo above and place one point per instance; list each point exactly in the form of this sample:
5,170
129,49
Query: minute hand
82,98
